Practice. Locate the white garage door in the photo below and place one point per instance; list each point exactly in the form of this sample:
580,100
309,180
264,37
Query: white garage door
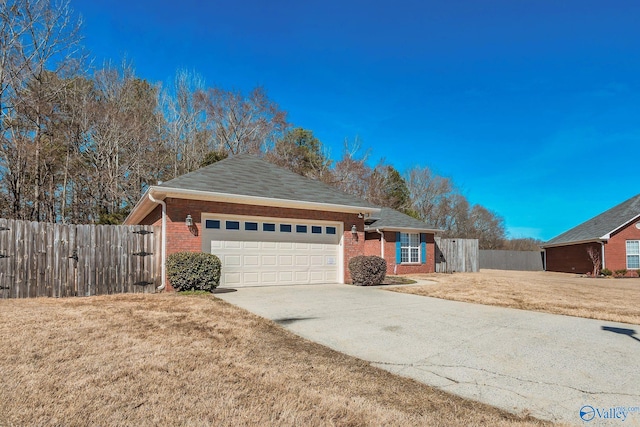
272,251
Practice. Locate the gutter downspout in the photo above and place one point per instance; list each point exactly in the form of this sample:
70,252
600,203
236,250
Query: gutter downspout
164,241
381,233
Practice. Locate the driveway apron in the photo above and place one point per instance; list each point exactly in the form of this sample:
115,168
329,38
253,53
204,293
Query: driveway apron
553,367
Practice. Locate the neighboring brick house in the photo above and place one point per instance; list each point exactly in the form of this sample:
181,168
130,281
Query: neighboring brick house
270,226
615,234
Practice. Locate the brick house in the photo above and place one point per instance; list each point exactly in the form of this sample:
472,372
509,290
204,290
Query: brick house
271,226
615,234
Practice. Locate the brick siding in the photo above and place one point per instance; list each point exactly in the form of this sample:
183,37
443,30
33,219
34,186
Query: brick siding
372,247
574,258
180,238
615,250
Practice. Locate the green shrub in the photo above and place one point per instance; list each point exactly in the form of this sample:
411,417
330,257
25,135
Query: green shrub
193,271
367,270
606,272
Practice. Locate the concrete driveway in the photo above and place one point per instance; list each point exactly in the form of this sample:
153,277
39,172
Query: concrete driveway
554,367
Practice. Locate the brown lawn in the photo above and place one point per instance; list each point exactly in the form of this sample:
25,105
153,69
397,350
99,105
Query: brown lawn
560,293
195,360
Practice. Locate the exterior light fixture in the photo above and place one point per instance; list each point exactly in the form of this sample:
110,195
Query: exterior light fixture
189,221
360,215
354,230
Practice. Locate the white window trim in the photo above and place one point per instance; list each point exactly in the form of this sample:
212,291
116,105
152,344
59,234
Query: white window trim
627,254
409,247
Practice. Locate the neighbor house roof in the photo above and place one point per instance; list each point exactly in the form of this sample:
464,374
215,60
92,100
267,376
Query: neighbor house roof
391,219
248,179
600,228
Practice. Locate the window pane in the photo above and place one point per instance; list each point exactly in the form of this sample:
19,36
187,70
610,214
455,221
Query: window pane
414,240
285,228
633,247
301,228
233,225
331,230
212,223
404,239
251,226
268,227
633,261
415,252
404,255
316,230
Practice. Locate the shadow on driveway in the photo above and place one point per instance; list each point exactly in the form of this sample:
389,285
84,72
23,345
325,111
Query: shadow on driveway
622,331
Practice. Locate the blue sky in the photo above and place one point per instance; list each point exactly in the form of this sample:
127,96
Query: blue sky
530,106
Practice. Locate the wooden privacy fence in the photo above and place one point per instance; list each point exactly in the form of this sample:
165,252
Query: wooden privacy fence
57,260
457,255
512,260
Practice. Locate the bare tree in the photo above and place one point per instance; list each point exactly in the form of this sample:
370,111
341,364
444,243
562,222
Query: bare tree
39,48
351,173
242,124
187,137
594,256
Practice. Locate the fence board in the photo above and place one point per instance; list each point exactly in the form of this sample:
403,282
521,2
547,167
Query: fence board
457,255
40,259
511,260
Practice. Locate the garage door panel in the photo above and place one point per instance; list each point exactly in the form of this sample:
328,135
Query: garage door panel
232,279
232,260
251,263
302,260
285,260
269,277
285,276
269,260
251,278
232,245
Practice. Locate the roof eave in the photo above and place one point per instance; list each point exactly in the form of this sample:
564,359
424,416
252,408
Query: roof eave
136,215
390,228
624,224
576,242
145,206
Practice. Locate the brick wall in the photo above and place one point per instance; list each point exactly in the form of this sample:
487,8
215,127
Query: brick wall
615,250
571,258
180,238
372,247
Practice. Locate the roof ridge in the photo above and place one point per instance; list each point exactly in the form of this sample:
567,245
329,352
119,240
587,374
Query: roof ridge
599,226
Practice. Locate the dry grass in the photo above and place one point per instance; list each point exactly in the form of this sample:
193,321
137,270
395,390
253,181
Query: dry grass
196,360
559,293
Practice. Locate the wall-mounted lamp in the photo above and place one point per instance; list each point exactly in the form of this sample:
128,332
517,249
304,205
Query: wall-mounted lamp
354,230
188,221
360,215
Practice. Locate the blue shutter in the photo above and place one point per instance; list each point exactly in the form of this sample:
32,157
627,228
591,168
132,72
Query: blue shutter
423,248
398,249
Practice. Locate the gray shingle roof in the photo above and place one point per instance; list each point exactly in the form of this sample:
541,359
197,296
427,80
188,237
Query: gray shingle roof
601,225
248,175
391,218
